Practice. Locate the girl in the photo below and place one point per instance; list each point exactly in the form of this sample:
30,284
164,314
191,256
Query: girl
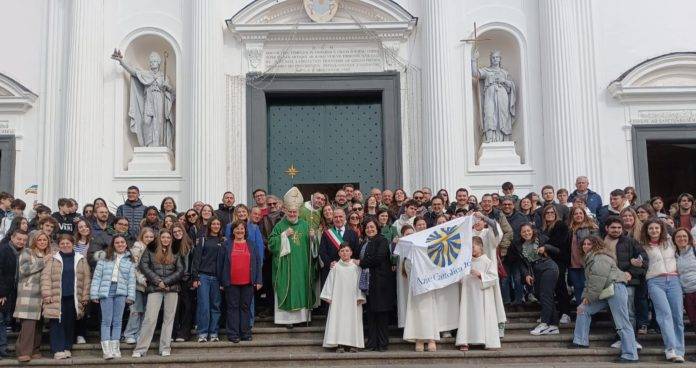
526,209
686,266
559,235
146,241
65,292
167,207
354,224
28,307
203,272
186,305
163,270
542,272
240,275
193,224
645,212
664,287
581,226
602,274
326,217
113,286
151,219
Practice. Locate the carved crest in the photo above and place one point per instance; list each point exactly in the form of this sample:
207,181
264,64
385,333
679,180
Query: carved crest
321,11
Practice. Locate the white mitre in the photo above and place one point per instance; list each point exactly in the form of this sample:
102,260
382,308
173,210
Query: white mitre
293,199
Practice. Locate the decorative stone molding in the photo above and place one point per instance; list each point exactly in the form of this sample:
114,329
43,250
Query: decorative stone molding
666,78
14,97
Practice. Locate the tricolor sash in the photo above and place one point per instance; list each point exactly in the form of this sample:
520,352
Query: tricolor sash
334,237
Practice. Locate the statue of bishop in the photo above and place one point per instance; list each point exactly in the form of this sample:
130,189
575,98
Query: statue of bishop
497,96
150,112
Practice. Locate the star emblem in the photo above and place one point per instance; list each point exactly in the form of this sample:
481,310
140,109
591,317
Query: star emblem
292,171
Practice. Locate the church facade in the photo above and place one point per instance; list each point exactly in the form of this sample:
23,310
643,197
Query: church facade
317,93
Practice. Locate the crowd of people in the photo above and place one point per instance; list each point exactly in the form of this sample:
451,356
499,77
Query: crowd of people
77,271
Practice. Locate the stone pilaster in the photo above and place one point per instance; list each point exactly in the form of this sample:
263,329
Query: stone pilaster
84,100
571,121
207,144
442,128
51,97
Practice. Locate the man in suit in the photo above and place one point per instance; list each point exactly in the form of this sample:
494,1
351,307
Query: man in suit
332,238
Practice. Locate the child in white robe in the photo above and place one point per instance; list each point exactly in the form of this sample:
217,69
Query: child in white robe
344,324
478,321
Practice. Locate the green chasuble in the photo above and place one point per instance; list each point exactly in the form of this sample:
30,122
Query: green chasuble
313,217
293,274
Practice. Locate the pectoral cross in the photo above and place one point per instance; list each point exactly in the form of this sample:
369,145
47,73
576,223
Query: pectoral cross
296,237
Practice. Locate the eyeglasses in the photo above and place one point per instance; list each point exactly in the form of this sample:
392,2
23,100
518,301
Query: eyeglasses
357,208
272,203
418,198
191,215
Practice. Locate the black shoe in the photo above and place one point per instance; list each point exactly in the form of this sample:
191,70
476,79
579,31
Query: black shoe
573,345
622,360
233,339
382,348
246,338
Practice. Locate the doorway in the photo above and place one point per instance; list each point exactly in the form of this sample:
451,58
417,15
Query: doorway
7,163
664,160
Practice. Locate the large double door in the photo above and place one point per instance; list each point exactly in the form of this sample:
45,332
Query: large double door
318,142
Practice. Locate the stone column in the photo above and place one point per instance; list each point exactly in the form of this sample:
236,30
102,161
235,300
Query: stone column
569,89
51,96
84,98
207,145
443,134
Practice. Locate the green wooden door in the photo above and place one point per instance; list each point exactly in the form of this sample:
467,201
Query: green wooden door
326,139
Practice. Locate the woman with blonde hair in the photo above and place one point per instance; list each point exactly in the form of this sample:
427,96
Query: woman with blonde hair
581,226
28,307
631,223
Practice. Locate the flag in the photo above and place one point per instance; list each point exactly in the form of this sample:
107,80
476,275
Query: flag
439,256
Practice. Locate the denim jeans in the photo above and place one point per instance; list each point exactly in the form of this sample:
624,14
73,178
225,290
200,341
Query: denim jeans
512,287
3,334
668,300
111,314
619,312
641,304
576,277
631,291
208,306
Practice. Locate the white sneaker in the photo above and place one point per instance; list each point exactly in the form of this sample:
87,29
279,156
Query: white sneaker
616,344
60,355
639,346
670,354
130,340
179,339
565,319
202,339
81,340
678,359
550,330
446,334
537,330
67,353
165,353
214,339
136,355
539,320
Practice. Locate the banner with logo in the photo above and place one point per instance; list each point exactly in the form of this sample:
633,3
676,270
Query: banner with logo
439,256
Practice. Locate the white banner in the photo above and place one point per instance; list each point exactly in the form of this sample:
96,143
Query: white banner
439,256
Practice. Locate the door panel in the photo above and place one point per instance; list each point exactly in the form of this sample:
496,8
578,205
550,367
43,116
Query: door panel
327,139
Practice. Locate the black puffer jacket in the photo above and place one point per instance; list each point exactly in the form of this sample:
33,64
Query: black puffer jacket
155,272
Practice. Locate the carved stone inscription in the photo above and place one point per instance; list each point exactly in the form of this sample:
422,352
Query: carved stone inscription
323,58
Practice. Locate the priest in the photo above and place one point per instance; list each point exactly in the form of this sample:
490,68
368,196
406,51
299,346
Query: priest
294,264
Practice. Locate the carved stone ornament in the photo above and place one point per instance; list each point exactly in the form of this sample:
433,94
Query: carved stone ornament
321,11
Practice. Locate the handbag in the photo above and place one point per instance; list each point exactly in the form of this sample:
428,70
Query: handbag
607,292
364,282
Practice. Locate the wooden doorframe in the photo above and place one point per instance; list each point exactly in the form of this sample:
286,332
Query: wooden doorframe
386,83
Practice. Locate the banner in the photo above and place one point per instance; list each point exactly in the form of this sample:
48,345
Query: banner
439,256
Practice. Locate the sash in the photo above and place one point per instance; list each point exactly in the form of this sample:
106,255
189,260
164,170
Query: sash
334,237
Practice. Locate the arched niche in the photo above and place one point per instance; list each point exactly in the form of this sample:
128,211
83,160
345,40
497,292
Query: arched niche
137,54
495,37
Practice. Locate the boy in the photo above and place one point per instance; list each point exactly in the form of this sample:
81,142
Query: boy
344,325
17,208
478,322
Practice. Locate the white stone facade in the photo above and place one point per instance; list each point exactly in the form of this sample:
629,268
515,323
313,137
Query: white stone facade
580,69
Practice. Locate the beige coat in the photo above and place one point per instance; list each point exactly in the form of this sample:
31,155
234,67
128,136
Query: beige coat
29,269
51,278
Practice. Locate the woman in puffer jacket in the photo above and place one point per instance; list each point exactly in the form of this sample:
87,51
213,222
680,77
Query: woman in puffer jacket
113,285
65,291
605,285
163,270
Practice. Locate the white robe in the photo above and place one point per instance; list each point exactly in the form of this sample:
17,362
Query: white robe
344,324
401,281
283,317
448,304
478,322
421,321
490,247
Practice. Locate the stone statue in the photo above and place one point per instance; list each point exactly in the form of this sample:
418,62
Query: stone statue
497,96
151,113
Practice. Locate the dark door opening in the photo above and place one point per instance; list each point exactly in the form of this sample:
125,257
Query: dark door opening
671,168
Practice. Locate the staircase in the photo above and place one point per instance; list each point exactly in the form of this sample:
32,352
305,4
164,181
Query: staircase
275,346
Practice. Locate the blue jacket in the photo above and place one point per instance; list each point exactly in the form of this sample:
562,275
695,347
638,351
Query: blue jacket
253,236
134,212
101,281
594,200
225,260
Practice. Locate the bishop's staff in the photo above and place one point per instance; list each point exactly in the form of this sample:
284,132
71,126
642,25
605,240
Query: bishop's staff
476,77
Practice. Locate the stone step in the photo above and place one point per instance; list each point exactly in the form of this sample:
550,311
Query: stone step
515,340
284,359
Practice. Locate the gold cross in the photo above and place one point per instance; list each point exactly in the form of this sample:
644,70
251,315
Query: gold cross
292,171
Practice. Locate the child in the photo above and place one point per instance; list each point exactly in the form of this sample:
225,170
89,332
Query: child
478,321
112,287
344,325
